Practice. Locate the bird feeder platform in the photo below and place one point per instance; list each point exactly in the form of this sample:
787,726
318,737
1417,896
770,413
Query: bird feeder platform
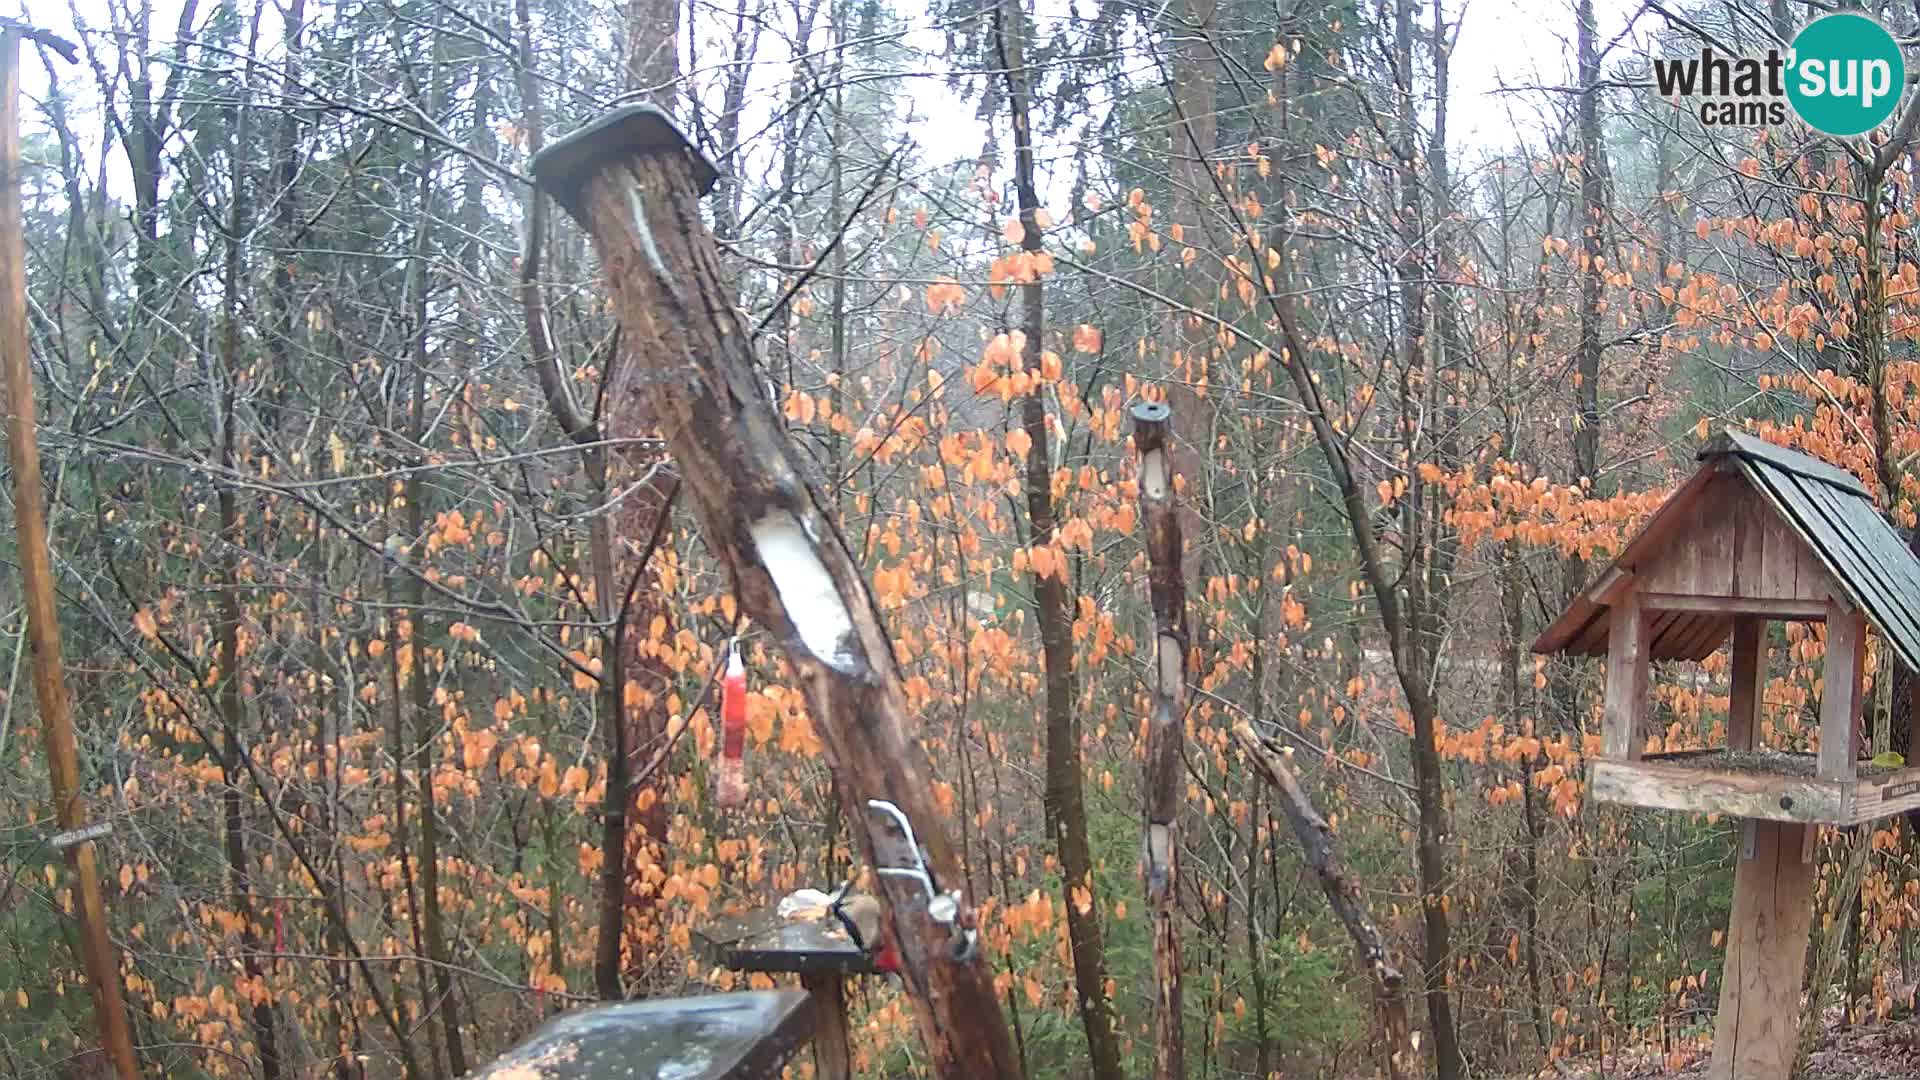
819,950
745,1036
1758,534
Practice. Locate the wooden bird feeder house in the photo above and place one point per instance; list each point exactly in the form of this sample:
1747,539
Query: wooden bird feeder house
1759,533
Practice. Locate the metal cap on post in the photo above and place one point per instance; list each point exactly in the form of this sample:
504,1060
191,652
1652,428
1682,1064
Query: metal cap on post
563,167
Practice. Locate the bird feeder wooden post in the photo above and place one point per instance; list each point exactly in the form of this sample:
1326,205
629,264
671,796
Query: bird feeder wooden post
634,182
1759,533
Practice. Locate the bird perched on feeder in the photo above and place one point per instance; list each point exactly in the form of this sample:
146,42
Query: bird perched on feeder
860,914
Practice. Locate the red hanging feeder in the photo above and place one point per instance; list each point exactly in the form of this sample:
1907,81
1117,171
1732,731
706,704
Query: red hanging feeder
730,778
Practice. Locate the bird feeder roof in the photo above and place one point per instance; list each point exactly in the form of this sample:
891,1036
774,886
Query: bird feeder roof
1827,510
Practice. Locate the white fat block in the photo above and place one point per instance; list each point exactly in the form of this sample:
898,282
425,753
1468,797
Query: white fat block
806,590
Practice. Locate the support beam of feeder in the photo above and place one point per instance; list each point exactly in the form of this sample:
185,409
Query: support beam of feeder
1759,1020
1624,725
1840,696
1749,681
1159,514
634,182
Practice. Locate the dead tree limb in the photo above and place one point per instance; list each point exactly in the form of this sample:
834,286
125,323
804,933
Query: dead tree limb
634,182
1160,514
1343,895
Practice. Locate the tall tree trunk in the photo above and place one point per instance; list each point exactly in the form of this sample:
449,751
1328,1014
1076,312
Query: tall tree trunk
233,542
420,754
1066,811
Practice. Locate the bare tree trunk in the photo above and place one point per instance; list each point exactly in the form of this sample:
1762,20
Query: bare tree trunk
1066,810
233,543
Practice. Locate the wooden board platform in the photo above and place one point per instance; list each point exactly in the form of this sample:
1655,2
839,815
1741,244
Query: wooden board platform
1671,783
745,1036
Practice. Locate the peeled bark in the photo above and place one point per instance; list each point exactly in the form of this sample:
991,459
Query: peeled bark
634,182
1159,514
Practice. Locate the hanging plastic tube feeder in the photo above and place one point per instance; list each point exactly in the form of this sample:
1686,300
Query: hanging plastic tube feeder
730,777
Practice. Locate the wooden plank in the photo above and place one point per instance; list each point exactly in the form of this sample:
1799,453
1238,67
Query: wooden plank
1754,1037
1749,682
1665,520
710,1037
1885,796
1661,786
1840,699
832,1053
1624,722
1749,515
1780,608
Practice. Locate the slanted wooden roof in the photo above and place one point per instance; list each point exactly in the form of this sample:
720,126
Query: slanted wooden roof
1842,545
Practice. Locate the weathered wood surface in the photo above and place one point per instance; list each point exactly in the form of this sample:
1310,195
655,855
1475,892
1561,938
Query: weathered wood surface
1160,857
1623,725
634,182
744,1036
1343,896
832,1047
1731,544
763,941
1841,694
1766,955
1676,782
1749,682
1666,786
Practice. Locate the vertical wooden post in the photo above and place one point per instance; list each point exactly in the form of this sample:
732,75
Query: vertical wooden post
36,579
1840,698
634,181
832,1053
1749,681
1759,1020
1160,864
1624,725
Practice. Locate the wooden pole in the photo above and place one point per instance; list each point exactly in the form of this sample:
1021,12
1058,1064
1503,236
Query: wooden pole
633,181
102,960
1754,1037
832,1049
1160,515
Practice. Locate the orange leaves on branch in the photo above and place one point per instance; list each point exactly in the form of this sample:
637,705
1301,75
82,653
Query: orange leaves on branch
1086,338
144,622
945,295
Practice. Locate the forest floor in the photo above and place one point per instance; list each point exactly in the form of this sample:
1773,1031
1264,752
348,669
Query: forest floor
1881,1050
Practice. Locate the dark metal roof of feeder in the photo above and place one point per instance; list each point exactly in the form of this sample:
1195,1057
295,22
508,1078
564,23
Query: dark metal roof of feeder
1829,509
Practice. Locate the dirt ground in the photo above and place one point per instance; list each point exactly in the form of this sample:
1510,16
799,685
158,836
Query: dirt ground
1887,1050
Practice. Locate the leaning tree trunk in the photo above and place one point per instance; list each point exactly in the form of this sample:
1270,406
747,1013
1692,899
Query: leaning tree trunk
634,181
1159,513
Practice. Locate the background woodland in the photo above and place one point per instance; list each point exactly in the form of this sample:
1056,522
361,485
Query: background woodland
371,616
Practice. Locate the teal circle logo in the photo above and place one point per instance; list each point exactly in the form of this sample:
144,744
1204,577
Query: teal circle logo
1846,75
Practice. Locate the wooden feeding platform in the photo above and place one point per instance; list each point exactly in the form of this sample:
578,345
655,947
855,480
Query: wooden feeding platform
1764,785
1758,534
745,1036
818,949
